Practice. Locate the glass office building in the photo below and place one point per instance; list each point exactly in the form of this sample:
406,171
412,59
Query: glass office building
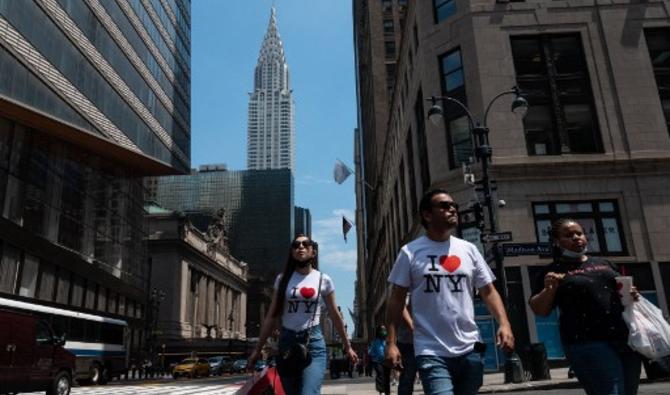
93,96
258,205
260,219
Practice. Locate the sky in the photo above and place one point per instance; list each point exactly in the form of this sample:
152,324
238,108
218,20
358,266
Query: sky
226,37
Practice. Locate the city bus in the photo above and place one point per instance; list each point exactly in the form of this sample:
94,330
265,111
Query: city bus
98,342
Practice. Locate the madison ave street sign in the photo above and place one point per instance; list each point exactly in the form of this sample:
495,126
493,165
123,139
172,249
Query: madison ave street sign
517,249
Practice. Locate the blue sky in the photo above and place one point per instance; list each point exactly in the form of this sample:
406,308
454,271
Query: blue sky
318,43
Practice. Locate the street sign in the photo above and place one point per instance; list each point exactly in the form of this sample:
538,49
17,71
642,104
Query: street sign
516,249
496,237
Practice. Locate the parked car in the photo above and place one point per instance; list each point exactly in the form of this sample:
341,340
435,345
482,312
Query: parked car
191,367
220,364
240,366
32,358
260,365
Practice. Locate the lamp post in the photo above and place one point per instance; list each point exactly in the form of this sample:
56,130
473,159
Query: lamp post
231,319
483,152
155,298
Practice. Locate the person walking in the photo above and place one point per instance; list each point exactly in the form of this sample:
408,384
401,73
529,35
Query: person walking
376,353
295,304
593,332
441,271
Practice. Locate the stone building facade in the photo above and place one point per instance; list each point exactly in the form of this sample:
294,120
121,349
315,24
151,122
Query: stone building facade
594,145
204,287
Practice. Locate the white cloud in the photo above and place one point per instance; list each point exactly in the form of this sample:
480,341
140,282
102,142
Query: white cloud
333,251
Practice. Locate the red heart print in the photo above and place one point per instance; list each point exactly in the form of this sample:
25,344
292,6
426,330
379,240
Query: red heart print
450,263
619,286
307,293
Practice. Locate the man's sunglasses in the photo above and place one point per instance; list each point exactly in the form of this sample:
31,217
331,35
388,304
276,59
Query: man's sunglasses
445,205
305,243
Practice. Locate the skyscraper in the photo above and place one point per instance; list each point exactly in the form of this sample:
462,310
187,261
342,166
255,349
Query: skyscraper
93,96
271,126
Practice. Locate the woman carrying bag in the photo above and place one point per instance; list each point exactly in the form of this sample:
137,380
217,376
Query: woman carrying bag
302,351
593,332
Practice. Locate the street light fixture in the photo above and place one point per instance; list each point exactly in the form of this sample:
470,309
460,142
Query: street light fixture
483,153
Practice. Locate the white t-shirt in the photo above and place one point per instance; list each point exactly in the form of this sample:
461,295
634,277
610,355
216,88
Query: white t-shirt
301,300
441,277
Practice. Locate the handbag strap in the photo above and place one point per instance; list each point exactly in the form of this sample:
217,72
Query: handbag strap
311,321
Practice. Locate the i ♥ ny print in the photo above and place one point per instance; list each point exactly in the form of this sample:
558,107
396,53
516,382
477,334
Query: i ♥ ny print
307,292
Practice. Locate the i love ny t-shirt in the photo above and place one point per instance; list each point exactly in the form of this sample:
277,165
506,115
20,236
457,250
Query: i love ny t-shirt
441,277
300,302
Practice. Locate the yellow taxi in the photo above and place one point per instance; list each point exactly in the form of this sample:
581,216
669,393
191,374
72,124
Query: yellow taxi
191,367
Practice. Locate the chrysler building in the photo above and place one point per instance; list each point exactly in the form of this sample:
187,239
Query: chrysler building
271,126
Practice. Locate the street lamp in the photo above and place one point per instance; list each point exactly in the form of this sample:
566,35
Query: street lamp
155,298
483,153
231,319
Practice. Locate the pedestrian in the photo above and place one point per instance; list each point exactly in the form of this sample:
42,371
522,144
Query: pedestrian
376,352
441,271
405,343
593,332
295,306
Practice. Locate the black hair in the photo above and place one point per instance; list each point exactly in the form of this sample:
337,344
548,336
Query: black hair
426,203
289,268
554,234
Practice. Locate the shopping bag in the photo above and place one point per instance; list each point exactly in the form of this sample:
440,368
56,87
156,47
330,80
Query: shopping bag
266,382
649,332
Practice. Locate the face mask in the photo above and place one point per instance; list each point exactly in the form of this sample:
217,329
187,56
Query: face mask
573,254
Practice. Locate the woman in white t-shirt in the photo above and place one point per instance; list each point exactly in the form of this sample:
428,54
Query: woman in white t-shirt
295,304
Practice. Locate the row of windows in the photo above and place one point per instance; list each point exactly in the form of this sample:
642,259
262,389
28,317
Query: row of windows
104,43
123,23
158,39
26,275
179,95
62,194
52,43
551,71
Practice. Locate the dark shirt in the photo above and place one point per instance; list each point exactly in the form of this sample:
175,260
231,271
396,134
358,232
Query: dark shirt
589,305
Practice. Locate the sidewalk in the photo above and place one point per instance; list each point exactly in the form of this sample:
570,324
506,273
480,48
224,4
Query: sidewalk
493,383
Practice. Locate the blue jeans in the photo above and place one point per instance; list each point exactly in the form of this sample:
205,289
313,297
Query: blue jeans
312,377
462,375
603,369
408,374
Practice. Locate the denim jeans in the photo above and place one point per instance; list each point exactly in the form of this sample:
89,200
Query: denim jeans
462,375
382,377
603,369
312,377
408,374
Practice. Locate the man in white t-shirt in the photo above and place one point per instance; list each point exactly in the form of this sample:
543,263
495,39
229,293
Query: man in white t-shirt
441,272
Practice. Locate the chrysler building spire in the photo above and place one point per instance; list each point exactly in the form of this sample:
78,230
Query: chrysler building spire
270,141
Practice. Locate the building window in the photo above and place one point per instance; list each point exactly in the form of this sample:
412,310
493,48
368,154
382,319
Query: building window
443,9
561,119
388,26
600,220
658,43
389,49
457,125
387,5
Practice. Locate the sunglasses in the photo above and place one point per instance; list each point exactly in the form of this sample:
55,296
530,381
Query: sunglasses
445,205
305,243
